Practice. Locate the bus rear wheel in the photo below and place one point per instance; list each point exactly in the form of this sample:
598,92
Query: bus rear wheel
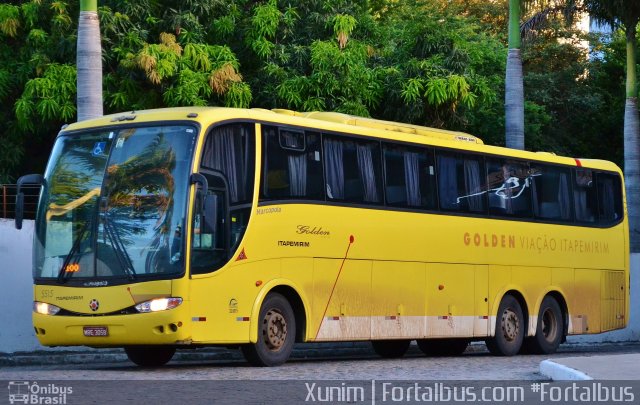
443,347
549,329
509,333
390,349
276,333
150,356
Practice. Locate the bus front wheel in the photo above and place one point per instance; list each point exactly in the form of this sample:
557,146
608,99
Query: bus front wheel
390,349
509,333
549,329
276,333
150,356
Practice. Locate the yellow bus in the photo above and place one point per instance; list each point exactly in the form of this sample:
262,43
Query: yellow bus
189,227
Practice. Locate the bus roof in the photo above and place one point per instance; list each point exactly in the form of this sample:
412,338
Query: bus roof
333,121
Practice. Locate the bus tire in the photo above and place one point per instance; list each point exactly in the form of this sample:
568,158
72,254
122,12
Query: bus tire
390,349
150,356
443,347
509,333
549,329
276,333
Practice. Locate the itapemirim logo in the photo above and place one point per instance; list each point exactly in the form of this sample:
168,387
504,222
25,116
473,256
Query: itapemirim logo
25,392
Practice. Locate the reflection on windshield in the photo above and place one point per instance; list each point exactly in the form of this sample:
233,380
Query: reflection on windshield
134,183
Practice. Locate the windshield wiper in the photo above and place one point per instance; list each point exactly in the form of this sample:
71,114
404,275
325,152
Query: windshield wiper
118,247
63,274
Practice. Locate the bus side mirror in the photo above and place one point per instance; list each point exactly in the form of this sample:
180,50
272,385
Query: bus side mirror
27,179
199,179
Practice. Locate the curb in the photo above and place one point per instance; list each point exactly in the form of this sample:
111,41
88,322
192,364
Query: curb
560,372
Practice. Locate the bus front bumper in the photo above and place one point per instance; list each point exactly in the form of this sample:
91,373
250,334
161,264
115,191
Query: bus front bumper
170,327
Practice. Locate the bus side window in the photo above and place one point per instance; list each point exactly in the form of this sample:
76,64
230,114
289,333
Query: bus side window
230,149
352,169
609,198
409,177
551,192
584,196
292,166
461,185
509,185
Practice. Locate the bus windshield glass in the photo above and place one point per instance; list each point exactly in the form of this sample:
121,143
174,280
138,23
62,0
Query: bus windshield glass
114,205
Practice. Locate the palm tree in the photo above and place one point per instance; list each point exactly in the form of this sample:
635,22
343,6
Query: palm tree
89,62
625,14
514,88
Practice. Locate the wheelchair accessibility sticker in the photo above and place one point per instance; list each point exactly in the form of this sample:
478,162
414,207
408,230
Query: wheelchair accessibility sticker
99,149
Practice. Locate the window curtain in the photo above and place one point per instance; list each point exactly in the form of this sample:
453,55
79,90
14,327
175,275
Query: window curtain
367,173
334,168
447,182
563,196
297,174
608,206
507,191
473,184
535,183
223,152
581,191
583,213
412,178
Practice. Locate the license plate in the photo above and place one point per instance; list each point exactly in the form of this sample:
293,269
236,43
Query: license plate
95,331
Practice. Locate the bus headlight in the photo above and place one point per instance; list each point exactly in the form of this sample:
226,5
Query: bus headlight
160,304
44,308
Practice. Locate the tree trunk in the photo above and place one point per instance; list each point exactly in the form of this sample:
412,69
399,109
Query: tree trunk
514,88
89,62
514,101
632,144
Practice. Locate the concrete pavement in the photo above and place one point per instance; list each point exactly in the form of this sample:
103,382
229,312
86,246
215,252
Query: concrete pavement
597,367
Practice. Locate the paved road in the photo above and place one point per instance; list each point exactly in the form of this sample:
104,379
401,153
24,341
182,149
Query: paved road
350,364
315,374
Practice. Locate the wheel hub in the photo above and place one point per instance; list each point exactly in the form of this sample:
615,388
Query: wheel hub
274,330
510,325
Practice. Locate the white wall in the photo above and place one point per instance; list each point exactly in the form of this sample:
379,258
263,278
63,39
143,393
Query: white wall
16,292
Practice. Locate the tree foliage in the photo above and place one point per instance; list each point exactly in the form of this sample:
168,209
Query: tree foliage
435,63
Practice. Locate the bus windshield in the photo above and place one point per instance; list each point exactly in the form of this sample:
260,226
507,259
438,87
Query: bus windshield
114,205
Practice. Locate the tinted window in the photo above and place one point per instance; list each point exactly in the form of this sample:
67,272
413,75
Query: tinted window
292,165
229,149
409,177
509,184
352,170
461,184
609,198
585,198
551,192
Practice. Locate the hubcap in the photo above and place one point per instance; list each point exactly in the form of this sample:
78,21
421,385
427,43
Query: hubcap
549,325
274,330
510,324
